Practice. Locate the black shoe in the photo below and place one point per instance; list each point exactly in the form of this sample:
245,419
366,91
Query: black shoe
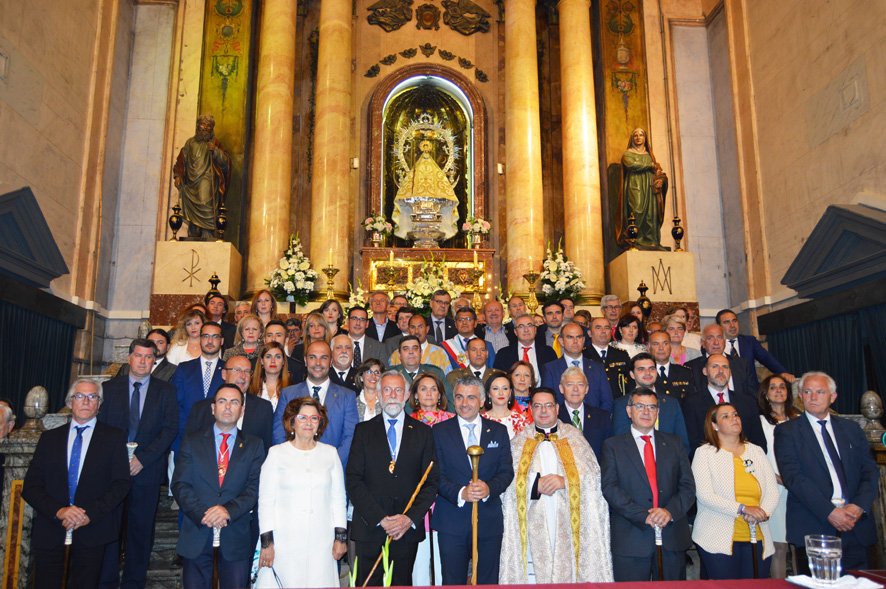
177,561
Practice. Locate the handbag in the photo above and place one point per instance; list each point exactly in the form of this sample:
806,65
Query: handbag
267,579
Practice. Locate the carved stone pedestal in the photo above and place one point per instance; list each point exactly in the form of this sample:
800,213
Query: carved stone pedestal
670,277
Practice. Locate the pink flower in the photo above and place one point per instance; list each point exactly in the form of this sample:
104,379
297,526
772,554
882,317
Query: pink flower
486,225
388,226
367,221
466,227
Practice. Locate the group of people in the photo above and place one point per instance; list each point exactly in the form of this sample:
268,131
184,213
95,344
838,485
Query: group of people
597,434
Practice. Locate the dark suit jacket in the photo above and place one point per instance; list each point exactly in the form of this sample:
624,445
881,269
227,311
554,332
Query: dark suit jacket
506,357
341,410
229,334
696,406
258,419
495,468
744,377
679,383
188,382
629,494
391,330
157,427
376,492
751,349
670,417
348,381
101,488
196,489
804,471
297,370
372,348
449,324
597,425
617,371
164,371
599,393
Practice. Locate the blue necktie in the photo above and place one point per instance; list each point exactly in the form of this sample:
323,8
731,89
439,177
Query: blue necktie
603,355
472,439
835,457
464,344
74,466
134,413
576,363
392,438
316,393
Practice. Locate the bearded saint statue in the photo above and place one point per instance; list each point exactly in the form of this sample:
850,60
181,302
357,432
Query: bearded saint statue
201,174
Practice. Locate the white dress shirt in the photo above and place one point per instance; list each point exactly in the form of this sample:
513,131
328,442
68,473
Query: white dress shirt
714,393
641,443
324,388
816,427
533,359
478,424
569,360
86,435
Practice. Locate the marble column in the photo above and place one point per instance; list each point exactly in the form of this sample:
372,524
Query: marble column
330,184
523,183
581,166
268,231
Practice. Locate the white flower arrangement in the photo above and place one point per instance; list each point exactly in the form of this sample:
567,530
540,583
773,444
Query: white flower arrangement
376,222
293,280
358,298
560,278
429,280
476,226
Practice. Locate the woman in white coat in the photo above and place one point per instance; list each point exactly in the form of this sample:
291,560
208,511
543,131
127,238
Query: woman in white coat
735,488
302,505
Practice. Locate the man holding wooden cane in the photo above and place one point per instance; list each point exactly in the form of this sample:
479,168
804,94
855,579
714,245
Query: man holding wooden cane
389,456
457,493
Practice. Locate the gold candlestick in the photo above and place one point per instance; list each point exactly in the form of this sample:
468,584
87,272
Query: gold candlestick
476,302
532,303
330,274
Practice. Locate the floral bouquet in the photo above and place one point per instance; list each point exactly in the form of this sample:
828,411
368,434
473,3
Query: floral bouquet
429,280
560,278
293,281
476,226
376,223
357,298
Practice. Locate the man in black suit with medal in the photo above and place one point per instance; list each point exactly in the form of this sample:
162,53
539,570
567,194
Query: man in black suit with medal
614,360
389,455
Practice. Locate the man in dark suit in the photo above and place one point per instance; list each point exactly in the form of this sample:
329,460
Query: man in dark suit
196,380
671,379
391,453
342,370
717,391
217,306
826,465
364,347
743,376
340,402
410,364
216,485
749,347
257,418
77,478
442,326
594,423
146,410
162,368
379,327
527,348
275,331
477,353
456,493
614,360
647,482
670,413
456,347
572,341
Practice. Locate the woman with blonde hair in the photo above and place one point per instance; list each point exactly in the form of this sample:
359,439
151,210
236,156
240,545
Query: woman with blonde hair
247,343
185,343
271,375
676,328
315,328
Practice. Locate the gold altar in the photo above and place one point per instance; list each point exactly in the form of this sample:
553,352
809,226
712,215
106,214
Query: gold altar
380,273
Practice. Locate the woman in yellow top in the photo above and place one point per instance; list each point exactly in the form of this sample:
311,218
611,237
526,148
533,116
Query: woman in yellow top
735,488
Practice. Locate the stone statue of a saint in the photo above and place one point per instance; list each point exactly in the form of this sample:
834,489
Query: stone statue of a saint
643,192
201,174
425,191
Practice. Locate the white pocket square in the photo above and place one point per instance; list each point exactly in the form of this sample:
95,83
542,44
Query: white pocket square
492,444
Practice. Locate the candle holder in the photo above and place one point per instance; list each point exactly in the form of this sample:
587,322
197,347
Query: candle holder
644,302
175,221
532,303
476,302
330,274
221,223
677,234
632,233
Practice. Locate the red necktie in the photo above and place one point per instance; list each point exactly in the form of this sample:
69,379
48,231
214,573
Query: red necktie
720,396
223,459
526,354
649,459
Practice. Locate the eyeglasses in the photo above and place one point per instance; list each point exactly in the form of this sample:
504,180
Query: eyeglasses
539,406
643,407
239,370
373,372
525,326
210,336
304,418
611,307
358,319
82,396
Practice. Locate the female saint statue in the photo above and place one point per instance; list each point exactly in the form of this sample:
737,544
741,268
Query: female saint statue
643,191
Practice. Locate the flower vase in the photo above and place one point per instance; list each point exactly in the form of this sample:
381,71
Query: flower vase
476,241
376,238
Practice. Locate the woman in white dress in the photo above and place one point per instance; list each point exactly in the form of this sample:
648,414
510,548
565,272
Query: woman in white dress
186,339
630,335
301,505
774,399
271,375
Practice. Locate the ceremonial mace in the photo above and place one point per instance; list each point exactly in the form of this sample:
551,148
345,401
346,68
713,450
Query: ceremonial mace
69,537
753,528
408,505
474,453
121,553
658,549
839,503
216,542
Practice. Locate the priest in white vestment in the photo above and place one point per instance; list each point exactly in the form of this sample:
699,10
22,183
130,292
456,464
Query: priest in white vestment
556,521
